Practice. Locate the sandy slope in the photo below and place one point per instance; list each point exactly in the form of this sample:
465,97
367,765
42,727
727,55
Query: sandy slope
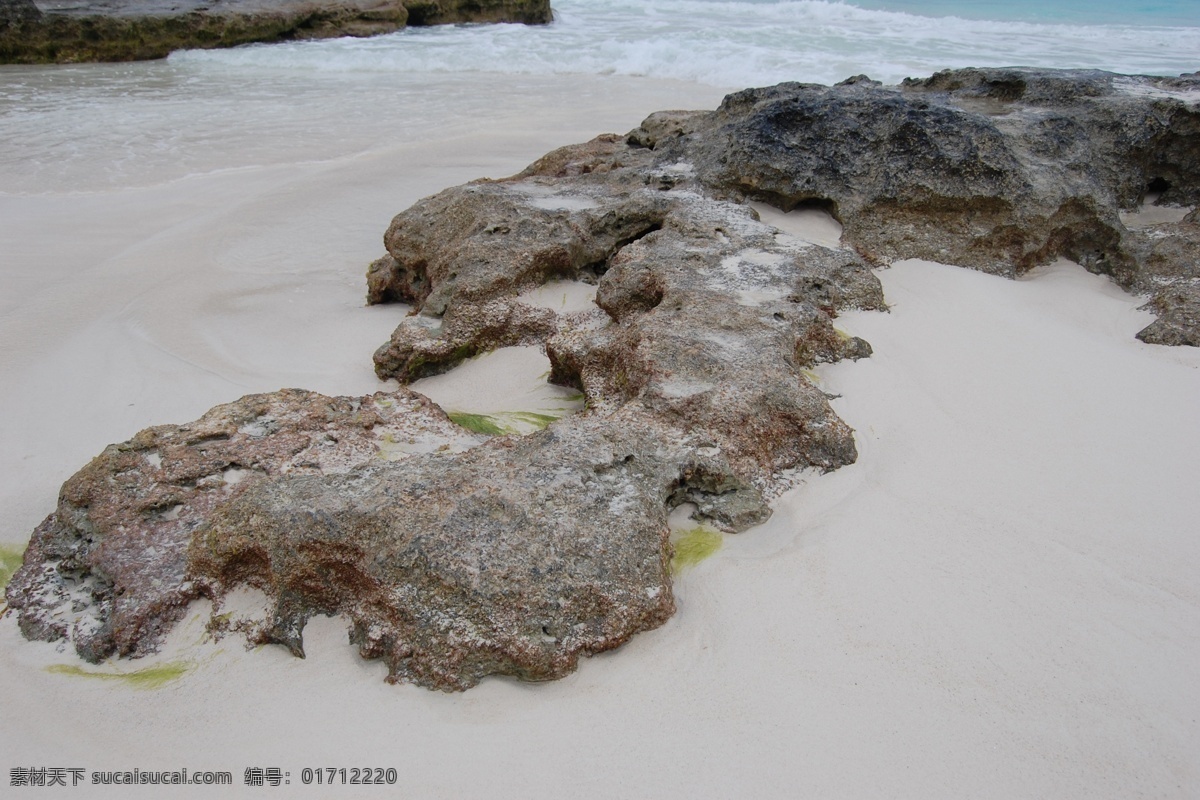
998,600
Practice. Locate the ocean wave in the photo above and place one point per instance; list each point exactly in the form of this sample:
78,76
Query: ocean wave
731,43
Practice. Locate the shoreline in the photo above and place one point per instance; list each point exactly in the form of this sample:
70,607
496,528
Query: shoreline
994,601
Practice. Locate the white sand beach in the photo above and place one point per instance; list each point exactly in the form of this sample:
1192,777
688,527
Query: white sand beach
998,600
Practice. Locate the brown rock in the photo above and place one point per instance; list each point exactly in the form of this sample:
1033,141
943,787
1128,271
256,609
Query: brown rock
135,30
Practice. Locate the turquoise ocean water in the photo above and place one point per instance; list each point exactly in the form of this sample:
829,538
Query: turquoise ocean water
1071,12
734,43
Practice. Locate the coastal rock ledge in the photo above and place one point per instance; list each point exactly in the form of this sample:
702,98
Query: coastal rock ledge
456,555
50,31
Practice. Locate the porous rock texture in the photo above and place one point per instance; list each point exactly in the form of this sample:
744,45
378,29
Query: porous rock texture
51,31
995,169
456,557
108,569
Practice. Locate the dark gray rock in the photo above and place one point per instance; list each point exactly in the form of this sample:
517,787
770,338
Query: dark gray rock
14,11
996,169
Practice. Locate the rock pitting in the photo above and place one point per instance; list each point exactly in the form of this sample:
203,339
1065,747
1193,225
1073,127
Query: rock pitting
455,556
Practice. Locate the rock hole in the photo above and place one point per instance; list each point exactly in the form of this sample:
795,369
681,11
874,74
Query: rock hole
171,514
817,204
519,397
1006,90
814,220
600,266
420,13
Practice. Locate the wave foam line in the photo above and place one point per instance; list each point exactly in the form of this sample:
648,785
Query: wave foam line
730,44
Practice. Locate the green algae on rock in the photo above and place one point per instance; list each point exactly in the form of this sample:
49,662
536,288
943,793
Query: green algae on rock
504,422
478,423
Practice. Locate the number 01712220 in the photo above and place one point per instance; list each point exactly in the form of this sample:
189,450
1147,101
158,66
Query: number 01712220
359,776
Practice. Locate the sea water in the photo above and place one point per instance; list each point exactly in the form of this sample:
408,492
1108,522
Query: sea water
737,43
92,127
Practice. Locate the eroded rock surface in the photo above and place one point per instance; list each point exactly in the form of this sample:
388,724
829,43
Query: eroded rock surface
516,555
108,569
996,169
132,30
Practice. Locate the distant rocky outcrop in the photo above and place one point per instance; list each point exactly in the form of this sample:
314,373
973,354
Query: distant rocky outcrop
454,556
134,30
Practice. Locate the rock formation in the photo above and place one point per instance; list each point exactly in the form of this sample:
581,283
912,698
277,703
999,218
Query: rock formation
134,30
18,11
454,556
999,170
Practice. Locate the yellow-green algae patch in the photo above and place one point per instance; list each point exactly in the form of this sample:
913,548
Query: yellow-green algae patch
477,423
10,562
693,546
532,418
149,678
505,422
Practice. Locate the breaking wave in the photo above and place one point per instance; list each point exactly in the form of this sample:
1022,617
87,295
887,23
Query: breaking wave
737,43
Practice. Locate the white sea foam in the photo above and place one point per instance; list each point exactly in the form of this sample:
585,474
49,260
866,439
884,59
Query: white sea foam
95,126
734,44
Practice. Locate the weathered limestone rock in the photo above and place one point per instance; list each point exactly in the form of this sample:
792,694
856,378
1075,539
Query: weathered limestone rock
134,30
517,555
108,568
1171,252
464,255
996,169
521,554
